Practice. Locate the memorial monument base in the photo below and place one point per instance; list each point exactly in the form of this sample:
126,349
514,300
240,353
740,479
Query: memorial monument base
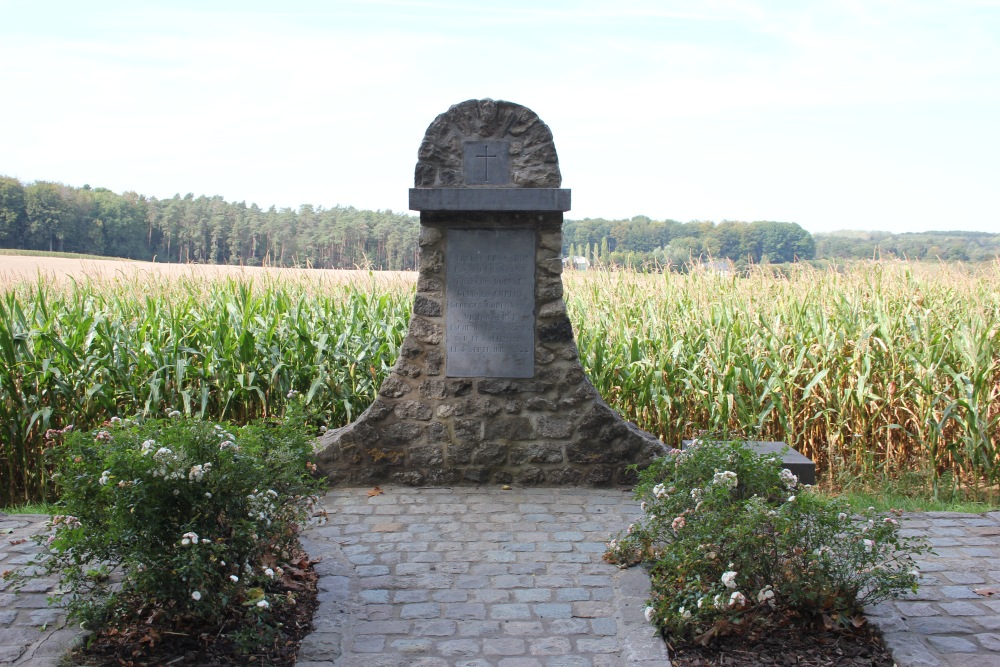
488,387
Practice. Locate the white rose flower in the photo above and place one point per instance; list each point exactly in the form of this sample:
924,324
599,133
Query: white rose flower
196,596
650,614
729,579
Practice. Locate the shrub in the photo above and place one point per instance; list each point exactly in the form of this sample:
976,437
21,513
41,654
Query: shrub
178,520
734,542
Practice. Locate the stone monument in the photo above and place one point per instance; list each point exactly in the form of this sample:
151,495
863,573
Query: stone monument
488,386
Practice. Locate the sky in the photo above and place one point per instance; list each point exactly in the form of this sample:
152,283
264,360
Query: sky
841,114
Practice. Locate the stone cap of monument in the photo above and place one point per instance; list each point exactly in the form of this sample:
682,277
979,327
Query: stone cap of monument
488,155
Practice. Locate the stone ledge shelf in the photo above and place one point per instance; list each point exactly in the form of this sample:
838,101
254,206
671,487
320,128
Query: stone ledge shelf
801,466
489,199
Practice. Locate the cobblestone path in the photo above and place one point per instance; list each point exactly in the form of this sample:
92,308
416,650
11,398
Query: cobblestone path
479,577
946,622
32,634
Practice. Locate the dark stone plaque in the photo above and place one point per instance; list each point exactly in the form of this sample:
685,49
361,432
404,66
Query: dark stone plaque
490,303
487,163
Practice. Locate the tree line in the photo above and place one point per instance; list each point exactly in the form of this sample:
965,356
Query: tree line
57,217
50,216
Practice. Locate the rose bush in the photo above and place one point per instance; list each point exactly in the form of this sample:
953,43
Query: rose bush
178,520
733,541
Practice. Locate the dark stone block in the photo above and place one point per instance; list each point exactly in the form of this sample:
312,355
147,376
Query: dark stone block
627,476
426,307
413,410
573,377
496,387
429,285
407,477
433,361
447,410
476,475
563,476
489,454
393,387
512,407
549,293
358,433
599,475
510,428
556,332
461,453
401,433
503,477
433,390
602,424
530,476
407,370
426,331
486,407
539,404
458,387
425,455
581,394
468,430
589,452
366,476
554,427
443,477
549,375
437,432
378,410
547,452
410,349
424,175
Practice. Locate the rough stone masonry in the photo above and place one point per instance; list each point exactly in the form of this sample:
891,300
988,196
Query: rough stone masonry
488,385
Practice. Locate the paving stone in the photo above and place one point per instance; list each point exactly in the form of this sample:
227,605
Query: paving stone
914,609
938,625
949,644
910,651
507,612
455,648
964,577
549,646
598,645
412,645
523,628
368,643
959,593
989,641
961,609
503,646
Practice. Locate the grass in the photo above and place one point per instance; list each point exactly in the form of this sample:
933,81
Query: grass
874,372
30,508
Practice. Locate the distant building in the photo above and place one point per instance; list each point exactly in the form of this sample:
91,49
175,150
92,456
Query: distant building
721,266
578,263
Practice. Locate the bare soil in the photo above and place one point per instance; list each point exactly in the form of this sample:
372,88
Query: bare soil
139,644
789,646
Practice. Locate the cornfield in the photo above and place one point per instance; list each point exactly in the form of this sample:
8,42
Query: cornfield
878,370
